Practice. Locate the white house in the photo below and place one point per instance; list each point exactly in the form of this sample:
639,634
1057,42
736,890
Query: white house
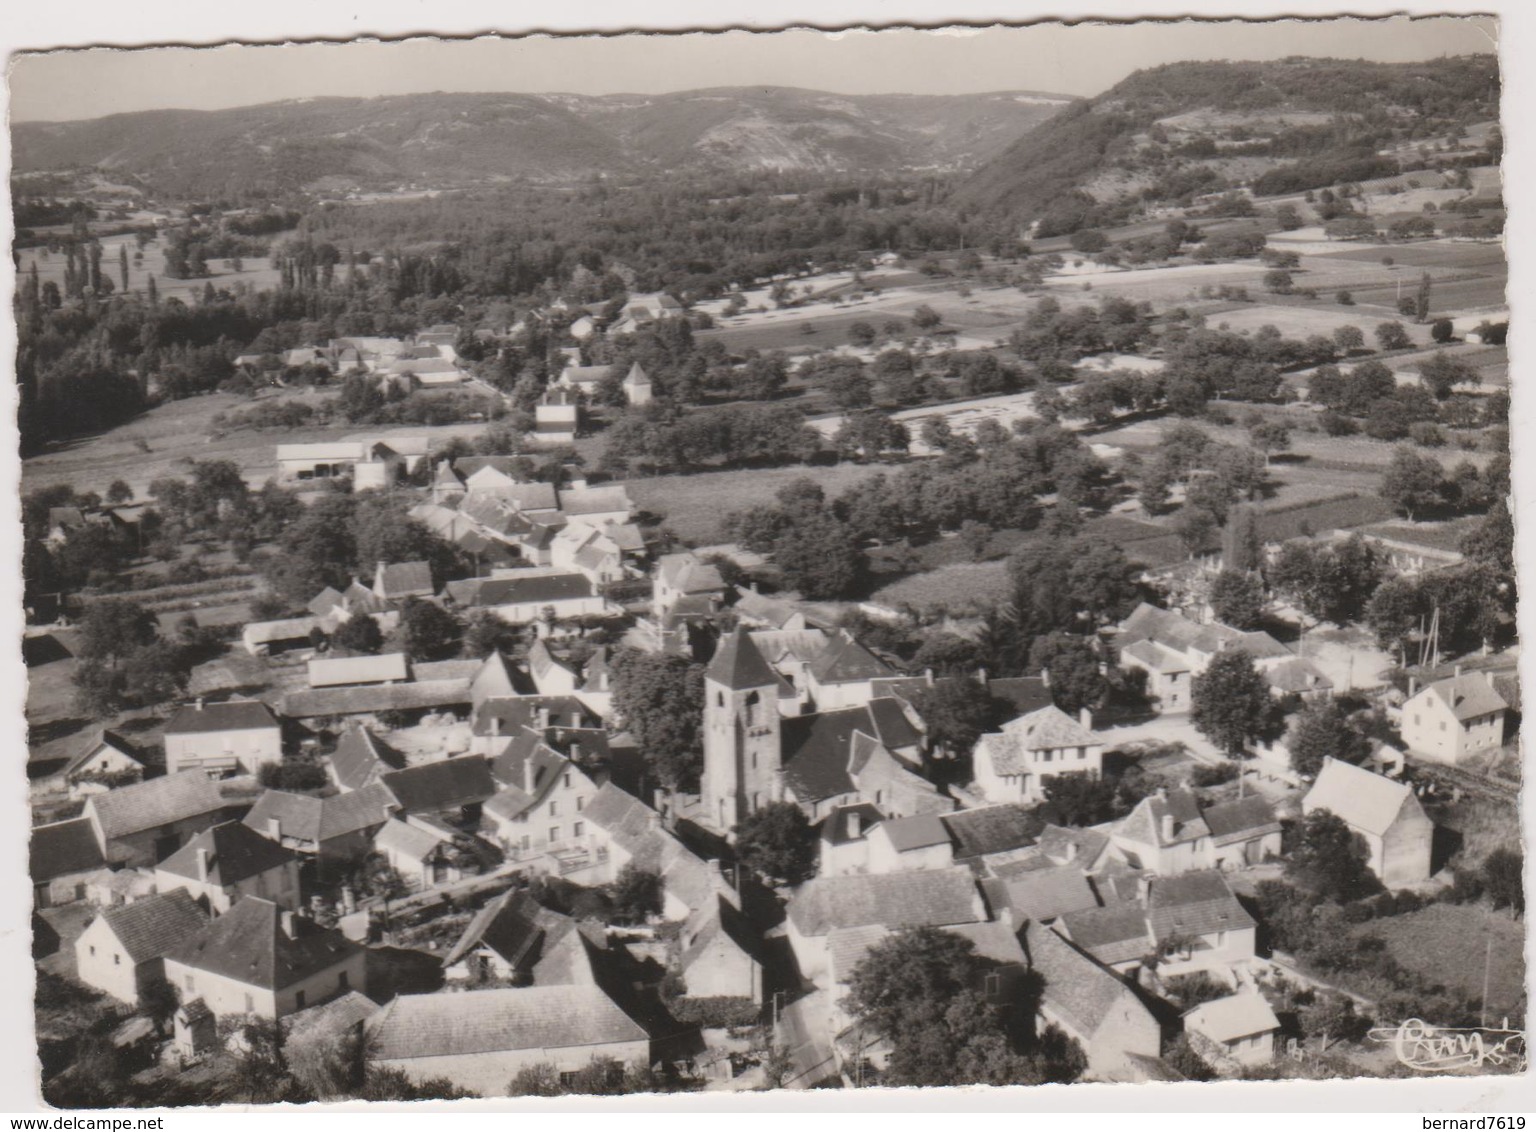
1011,765
917,842
1386,814
1454,719
227,862
237,737
522,597
1240,1028
123,949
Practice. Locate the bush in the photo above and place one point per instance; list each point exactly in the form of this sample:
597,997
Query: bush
1426,434
1214,775
719,1012
292,774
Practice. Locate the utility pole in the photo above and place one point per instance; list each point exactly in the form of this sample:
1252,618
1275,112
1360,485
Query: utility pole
1487,966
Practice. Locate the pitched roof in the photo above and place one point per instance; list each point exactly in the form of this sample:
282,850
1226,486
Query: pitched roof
62,848
538,587
1240,819
403,579
1116,933
1044,894
1365,801
411,840
1298,674
325,601
510,925
1072,843
1144,824
595,500
152,926
585,375
235,853
844,660
817,750
487,1021
513,713
160,801
991,829
1085,994
846,947
320,819
236,715
636,828
1025,693
441,785
340,671
286,629
926,898
837,827
919,831
361,757
248,945
738,664
102,738
1194,904
329,1020
685,573
1236,1016
892,725
1468,696
361,698
1157,657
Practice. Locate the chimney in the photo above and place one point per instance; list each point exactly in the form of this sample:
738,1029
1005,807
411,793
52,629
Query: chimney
1071,851
199,703
285,918
495,726
1085,717
1144,888
275,829
528,779
1413,686
1005,917
855,824
1457,672
1045,677
543,719
1162,793
981,677
202,864
1167,827
348,900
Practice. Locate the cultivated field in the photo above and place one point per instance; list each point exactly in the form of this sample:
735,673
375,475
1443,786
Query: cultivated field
255,270
1447,943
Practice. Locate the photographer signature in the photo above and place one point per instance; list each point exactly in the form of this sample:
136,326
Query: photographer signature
1428,1048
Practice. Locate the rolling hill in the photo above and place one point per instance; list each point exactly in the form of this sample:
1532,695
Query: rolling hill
1179,130
443,139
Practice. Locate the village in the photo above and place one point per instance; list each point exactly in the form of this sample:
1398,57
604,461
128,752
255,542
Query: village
1086,654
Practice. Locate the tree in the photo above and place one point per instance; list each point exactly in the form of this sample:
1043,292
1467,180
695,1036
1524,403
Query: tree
1328,582
1230,702
636,894
1348,338
1421,299
1288,217
1270,436
1081,799
1329,1017
778,844
821,557
1073,665
1411,483
955,714
1237,598
119,492
359,633
1503,875
113,628
1392,336
1320,732
1241,547
925,318
428,631
1330,860
1441,373
1278,282
1442,330
660,700
1196,528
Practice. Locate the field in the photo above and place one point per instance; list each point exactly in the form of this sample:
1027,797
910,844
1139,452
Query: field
1448,943
255,270
1296,321
694,505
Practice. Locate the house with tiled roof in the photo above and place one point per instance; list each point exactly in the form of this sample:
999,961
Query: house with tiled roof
620,829
989,830
1172,650
918,842
496,719
537,815
481,1039
558,416
521,597
123,949
1198,923
1117,935
843,674
426,852
514,938
62,857
1086,848
1042,895
336,831
597,506
396,581
551,676
1091,1005
262,961
1012,765
142,824
1244,831
1384,813
758,611
418,697
720,953
1452,720
455,786
104,759
1165,834
1235,1031
361,758
685,575
237,737
229,861
928,898
843,839
346,671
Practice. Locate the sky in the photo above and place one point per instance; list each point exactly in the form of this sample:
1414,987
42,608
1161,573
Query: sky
1055,58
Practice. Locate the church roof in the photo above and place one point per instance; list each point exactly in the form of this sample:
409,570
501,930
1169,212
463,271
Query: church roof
739,665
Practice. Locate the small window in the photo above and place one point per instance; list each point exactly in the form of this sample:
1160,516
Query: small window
342,981
580,802
298,1000
554,809
527,842
554,833
719,699
93,949
250,1004
992,984
567,780
117,960
578,829
1442,725
189,982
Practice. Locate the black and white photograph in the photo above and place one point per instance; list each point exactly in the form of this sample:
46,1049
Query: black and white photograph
559,565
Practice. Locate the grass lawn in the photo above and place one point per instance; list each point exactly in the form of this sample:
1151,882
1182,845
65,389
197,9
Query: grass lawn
693,505
1447,943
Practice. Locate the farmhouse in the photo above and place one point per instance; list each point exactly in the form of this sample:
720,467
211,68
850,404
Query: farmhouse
142,825
123,949
525,596
1386,814
63,856
516,938
621,830
229,861
481,1039
104,759
237,737
258,960
719,952
335,830
1012,765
